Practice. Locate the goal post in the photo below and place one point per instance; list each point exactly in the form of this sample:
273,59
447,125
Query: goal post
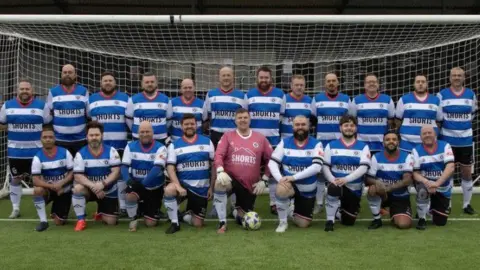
174,47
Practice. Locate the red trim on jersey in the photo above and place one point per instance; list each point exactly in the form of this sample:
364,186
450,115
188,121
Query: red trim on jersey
265,93
51,156
68,91
455,94
394,158
96,156
24,105
110,96
332,98
431,150
185,102
345,144
297,99
374,98
300,146
225,92
192,141
147,149
419,100
152,98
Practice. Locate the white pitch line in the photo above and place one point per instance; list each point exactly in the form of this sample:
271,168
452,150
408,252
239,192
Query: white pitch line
231,220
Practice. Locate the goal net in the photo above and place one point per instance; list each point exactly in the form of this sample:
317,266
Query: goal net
177,47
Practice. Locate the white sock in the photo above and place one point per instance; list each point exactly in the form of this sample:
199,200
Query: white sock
121,186
283,205
422,207
16,196
39,203
375,204
132,208
172,208
272,188
233,200
320,192
467,188
188,218
78,203
220,203
332,204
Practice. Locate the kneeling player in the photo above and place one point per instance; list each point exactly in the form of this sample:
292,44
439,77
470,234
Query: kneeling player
433,170
238,158
141,158
346,160
389,176
52,176
96,170
189,162
300,157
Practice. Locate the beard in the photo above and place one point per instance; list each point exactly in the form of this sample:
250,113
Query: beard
94,144
67,81
348,136
300,135
391,150
108,92
264,86
189,133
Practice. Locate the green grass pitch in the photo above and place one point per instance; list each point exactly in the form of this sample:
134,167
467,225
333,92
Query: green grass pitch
102,247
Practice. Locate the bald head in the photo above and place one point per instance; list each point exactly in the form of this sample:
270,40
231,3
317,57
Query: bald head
69,75
457,78
331,83
428,135
145,132
226,78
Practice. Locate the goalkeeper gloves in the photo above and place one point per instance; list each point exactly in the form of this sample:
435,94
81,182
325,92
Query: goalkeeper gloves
260,186
222,177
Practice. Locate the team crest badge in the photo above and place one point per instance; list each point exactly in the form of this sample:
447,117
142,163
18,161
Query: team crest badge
309,153
180,151
306,106
159,105
467,101
194,110
201,147
152,157
382,167
32,111
134,155
139,106
106,162
441,157
355,153
321,104
400,166
116,102
61,162
341,104
253,100
86,163
77,97
272,100
234,100
430,107
381,106
288,152
288,105
255,144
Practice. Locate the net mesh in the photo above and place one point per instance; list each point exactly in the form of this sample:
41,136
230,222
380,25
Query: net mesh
395,52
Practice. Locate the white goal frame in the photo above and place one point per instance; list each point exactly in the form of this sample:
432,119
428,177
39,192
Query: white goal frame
206,19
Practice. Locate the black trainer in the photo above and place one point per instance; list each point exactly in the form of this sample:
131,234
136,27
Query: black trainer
122,213
469,210
42,226
422,224
273,210
376,223
329,226
174,227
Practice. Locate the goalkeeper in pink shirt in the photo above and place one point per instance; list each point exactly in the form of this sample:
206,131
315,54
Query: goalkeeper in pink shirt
239,156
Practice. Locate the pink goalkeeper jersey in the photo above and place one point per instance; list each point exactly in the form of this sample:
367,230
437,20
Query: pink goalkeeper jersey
241,157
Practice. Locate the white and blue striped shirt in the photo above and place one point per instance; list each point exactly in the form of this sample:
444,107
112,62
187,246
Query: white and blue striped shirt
221,106
53,168
294,107
177,108
140,158
154,110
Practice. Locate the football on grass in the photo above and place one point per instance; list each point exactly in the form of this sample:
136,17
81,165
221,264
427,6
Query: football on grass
251,221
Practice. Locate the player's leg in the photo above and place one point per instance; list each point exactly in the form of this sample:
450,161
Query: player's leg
133,193
375,204
401,212
283,194
170,202
61,207
39,195
121,190
220,202
303,211
464,156
80,195
245,200
19,171
108,208
350,206
332,203
196,209
423,200
320,196
152,201
439,208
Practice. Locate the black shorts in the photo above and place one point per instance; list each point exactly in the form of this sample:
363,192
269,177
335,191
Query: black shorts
399,206
215,137
20,167
72,147
120,153
349,203
463,155
195,204
245,199
60,204
149,200
303,205
106,206
439,204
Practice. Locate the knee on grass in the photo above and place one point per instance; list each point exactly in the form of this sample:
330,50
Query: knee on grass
284,190
402,222
170,190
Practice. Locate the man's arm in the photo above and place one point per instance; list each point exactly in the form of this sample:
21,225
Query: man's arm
37,177
129,113
327,173
391,115
79,170
3,118
276,161
405,182
171,165
221,152
315,168
365,163
449,165
417,176
69,176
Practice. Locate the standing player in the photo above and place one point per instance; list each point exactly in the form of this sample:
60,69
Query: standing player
296,103
24,117
96,170
139,159
186,103
239,156
389,177
300,158
345,163
52,179
459,106
415,110
433,170
68,103
149,105
266,105
328,107
108,108
375,113
189,165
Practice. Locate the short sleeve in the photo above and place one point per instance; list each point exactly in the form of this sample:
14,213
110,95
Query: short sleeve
318,154
36,166
448,154
282,107
161,156
245,102
78,164
129,110
47,116
416,160
207,105
171,155
439,113
205,110
69,161
352,108
127,156
372,171
211,151
474,104
277,154
169,110
400,109
3,115
114,160
409,163
365,158
49,102
327,156
391,109
313,107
